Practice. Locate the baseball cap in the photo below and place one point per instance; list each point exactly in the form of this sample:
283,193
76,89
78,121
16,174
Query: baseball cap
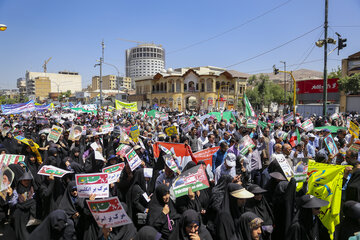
230,159
310,201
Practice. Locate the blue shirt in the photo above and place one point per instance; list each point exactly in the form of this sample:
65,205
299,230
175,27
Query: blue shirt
218,159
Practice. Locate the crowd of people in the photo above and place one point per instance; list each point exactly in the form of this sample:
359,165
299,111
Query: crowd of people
249,197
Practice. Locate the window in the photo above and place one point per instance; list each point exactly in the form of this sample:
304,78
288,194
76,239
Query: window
217,85
203,87
185,87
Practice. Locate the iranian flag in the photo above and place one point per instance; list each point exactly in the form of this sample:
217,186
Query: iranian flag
249,111
295,138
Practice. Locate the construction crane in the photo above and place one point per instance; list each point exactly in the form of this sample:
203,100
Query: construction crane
45,64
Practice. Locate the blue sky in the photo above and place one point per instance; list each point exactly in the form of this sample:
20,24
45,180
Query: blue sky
71,32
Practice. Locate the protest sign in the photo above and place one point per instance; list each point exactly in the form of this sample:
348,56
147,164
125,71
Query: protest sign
288,117
92,183
183,152
165,150
171,131
108,212
354,129
334,116
34,147
194,178
245,143
355,147
106,128
55,133
98,154
307,125
205,155
7,159
133,159
280,158
251,122
262,124
7,176
47,170
148,172
127,106
169,161
114,172
135,133
300,169
122,150
75,132
164,117
202,118
330,144
187,126
182,120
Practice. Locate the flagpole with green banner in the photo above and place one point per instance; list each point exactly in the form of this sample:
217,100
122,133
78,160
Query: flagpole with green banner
249,111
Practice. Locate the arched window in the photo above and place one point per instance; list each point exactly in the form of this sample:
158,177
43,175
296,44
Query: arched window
157,87
153,88
217,85
191,86
185,87
161,87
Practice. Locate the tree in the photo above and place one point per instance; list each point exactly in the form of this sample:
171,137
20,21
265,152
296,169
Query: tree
335,73
252,80
350,84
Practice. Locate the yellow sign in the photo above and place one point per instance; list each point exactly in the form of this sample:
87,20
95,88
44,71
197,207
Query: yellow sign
121,105
171,131
135,133
354,129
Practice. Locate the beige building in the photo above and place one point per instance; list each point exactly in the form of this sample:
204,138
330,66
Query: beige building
191,88
60,82
350,66
42,87
110,82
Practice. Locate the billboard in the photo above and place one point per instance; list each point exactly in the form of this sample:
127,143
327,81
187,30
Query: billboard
316,86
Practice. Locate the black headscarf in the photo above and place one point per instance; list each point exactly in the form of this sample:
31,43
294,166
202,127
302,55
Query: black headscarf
148,233
248,222
68,202
189,217
218,192
229,204
350,224
260,208
53,227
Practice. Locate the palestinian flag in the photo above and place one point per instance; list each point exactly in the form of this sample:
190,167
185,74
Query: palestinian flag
249,111
295,138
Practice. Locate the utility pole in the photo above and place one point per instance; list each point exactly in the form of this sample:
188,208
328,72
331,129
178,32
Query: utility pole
101,62
284,83
325,59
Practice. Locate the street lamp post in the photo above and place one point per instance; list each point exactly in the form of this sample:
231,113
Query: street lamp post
100,64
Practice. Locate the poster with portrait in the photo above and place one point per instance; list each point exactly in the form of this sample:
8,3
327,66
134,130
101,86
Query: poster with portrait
7,177
330,144
300,169
75,132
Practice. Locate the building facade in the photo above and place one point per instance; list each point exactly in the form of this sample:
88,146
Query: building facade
144,60
191,88
350,66
42,87
111,82
60,82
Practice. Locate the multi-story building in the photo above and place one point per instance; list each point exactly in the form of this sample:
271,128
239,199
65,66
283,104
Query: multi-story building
21,85
110,82
144,60
59,82
191,88
42,87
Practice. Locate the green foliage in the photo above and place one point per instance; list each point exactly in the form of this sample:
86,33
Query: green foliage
17,99
335,73
266,92
350,84
252,80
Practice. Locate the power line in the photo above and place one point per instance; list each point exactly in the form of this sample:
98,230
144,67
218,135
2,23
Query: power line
292,65
261,54
231,29
353,26
305,57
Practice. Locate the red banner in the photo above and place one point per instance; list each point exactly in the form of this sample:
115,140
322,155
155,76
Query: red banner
182,152
205,155
316,86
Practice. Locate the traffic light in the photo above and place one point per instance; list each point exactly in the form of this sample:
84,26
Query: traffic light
341,44
276,70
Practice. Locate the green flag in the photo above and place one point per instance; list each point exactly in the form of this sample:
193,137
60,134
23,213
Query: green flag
249,111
